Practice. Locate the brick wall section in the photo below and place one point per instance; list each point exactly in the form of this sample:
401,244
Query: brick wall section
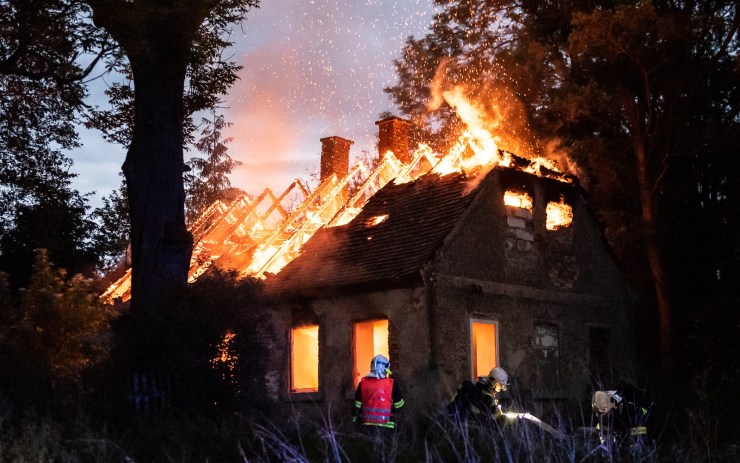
520,235
393,135
334,156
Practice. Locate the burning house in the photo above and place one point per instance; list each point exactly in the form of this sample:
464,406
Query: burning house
451,274
450,265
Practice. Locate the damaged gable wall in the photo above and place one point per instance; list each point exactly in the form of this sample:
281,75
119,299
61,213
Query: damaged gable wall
548,290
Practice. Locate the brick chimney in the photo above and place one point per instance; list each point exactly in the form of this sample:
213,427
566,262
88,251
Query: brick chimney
393,135
334,157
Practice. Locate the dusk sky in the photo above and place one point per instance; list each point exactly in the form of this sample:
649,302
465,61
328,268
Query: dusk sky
312,69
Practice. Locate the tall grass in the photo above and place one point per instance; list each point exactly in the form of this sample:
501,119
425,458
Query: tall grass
331,438
438,438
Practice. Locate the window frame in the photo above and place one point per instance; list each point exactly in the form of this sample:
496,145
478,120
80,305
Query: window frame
496,360
549,384
291,370
356,379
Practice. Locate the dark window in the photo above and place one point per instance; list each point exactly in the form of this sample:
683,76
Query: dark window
547,364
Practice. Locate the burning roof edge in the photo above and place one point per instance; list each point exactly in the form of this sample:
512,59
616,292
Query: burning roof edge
421,216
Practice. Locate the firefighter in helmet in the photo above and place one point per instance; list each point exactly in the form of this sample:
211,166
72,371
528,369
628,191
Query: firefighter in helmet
378,397
480,401
624,412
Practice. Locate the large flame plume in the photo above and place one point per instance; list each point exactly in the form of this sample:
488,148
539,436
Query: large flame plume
260,235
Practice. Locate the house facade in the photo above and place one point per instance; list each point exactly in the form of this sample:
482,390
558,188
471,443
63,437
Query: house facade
449,278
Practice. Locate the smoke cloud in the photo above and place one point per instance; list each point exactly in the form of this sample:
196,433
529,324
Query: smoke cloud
313,69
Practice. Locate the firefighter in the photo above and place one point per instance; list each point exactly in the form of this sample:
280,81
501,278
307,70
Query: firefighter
378,397
480,401
624,413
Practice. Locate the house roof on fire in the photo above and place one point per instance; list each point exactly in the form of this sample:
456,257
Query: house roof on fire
394,235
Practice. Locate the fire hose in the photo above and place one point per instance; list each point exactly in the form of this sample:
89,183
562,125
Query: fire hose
528,416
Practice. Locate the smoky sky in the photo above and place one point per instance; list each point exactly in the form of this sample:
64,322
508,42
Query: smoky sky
312,69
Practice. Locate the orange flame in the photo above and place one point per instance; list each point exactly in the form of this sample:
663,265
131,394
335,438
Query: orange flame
516,199
559,215
254,240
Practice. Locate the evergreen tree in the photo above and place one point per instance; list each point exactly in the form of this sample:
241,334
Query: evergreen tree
208,181
110,238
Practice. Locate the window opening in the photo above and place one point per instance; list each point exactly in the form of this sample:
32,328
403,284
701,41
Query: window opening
520,235
370,339
558,214
304,360
546,354
516,199
484,346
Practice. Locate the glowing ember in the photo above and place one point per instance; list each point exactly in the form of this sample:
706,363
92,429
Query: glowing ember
226,359
558,215
224,349
377,220
515,199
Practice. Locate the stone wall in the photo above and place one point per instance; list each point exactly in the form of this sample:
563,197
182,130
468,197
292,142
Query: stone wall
551,292
405,310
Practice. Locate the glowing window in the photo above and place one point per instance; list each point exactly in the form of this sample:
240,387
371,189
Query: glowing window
370,339
484,346
558,215
516,199
304,359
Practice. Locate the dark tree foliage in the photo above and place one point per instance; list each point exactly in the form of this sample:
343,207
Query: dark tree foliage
40,44
634,92
36,124
235,313
110,237
41,91
209,75
208,181
58,224
51,334
661,71
201,345
173,54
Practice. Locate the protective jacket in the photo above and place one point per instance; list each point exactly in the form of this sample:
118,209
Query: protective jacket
477,401
376,401
630,412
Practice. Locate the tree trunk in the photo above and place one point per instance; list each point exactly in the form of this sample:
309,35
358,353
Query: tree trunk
655,259
157,39
160,243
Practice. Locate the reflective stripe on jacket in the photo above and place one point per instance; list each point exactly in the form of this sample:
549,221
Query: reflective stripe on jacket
377,401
